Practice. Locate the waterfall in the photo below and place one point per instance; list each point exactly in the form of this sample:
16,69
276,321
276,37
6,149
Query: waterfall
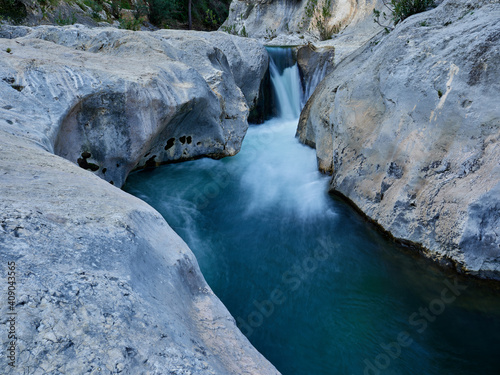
289,97
280,173
309,282
286,83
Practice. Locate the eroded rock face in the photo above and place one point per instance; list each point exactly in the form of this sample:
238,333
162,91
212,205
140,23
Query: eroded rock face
247,61
409,128
104,285
281,22
314,63
112,100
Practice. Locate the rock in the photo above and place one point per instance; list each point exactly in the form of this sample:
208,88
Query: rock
293,22
309,58
112,100
247,59
314,63
56,12
104,285
265,19
409,127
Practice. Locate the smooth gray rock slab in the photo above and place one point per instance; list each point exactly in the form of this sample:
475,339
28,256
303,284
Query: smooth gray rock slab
104,285
409,127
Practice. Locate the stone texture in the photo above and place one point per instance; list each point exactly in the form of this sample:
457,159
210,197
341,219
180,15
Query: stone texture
61,12
409,126
314,63
248,62
309,58
104,285
286,22
113,100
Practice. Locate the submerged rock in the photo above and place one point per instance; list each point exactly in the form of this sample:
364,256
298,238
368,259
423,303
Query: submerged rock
409,128
104,285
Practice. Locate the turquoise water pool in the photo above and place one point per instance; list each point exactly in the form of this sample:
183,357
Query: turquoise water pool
315,288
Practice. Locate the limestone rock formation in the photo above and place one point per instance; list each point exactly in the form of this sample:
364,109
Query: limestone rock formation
247,60
314,63
292,22
112,100
409,127
104,285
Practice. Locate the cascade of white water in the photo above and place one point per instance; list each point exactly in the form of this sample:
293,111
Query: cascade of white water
279,171
285,79
287,86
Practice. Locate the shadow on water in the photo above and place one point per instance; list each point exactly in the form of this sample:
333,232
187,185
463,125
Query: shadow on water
314,287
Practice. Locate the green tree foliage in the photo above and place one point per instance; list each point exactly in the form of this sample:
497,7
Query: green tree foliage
179,14
165,12
140,11
399,10
12,10
205,14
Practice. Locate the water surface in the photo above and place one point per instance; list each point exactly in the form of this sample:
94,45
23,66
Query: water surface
313,286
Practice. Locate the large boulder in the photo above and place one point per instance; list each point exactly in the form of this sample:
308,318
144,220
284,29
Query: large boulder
314,63
113,100
103,284
409,127
248,60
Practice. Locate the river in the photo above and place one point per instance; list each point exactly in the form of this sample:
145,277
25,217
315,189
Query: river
315,288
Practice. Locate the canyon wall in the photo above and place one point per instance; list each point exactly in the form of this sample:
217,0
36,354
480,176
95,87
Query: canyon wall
292,22
409,126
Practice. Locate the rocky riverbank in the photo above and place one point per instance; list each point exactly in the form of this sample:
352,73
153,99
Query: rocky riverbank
103,283
113,101
409,128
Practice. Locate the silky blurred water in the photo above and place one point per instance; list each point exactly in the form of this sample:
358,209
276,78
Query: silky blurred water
315,288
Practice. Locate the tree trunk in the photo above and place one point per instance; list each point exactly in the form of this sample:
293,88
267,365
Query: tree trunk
190,21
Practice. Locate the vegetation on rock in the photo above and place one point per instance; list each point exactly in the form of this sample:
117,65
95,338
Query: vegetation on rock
317,15
232,29
131,14
12,10
399,10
